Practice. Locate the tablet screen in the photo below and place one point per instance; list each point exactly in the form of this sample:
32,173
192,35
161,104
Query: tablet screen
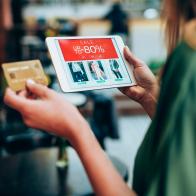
92,62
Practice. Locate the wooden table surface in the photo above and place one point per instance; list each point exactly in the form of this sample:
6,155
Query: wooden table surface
35,173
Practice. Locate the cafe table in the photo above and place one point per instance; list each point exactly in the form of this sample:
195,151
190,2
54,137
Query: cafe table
35,173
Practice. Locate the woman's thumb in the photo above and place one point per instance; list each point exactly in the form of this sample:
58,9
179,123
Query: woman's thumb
37,89
131,58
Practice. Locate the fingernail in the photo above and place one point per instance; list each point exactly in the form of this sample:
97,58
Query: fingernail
127,48
30,81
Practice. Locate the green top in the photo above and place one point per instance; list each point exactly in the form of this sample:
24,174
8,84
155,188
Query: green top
166,160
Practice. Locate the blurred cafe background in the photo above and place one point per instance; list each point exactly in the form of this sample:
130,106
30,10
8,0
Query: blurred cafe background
33,162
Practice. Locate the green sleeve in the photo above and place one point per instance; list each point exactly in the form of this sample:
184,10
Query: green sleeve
166,161
176,172
175,157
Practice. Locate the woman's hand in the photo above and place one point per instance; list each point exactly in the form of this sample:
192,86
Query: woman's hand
46,110
147,88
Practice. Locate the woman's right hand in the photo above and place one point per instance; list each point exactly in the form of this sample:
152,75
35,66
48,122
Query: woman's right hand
147,89
47,110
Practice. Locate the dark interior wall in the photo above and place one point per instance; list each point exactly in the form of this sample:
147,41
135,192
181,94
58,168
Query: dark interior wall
13,50
16,9
6,24
2,44
2,34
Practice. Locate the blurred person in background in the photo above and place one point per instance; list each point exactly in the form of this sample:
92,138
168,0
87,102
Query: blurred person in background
14,51
165,163
119,20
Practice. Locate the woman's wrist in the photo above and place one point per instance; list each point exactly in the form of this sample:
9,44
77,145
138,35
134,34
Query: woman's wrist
78,132
149,103
83,139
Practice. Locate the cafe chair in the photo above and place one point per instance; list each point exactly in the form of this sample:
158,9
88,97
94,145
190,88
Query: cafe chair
30,140
16,137
103,121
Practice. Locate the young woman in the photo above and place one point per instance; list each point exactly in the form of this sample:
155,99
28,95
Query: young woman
166,161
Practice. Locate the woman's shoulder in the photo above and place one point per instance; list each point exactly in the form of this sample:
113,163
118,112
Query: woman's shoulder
184,56
189,34
181,64
187,47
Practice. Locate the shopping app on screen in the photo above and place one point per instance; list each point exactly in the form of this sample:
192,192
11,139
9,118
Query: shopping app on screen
92,62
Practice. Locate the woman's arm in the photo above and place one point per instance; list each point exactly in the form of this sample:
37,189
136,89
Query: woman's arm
50,112
103,176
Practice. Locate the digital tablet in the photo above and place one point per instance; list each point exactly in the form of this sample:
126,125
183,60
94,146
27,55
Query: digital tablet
88,63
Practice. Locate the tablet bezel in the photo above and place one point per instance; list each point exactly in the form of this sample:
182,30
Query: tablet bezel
53,50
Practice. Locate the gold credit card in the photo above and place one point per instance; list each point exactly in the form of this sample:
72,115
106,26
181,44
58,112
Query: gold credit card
18,73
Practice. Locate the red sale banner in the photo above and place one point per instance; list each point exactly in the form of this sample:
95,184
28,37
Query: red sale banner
87,49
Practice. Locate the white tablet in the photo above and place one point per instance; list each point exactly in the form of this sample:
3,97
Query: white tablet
88,63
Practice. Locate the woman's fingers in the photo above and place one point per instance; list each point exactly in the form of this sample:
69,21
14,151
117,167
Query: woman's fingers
15,101
37,89
135,92
23,93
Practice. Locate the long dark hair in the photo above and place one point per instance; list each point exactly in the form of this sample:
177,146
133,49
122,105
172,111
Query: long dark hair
176,13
